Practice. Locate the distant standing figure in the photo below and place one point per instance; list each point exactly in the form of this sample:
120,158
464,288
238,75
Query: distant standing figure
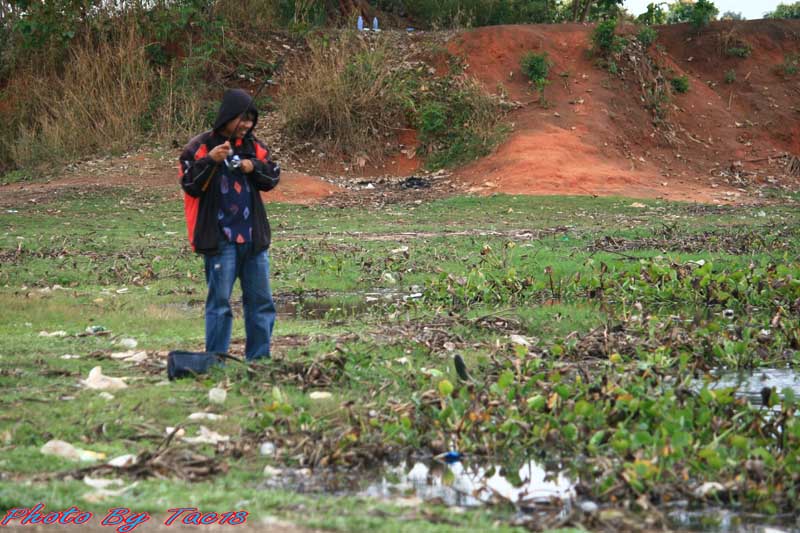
222,172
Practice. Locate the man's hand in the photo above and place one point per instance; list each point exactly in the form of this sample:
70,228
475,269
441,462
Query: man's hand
220,152
247,166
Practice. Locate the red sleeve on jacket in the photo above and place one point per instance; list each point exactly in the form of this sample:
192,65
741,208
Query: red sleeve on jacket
261,153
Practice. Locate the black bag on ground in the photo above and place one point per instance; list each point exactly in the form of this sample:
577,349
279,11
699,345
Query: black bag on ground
182,364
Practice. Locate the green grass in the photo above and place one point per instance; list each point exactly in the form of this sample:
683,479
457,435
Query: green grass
559,271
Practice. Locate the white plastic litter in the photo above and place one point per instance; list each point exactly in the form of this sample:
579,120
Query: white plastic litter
320,395
129,344
206,416
123,460
180,433
708,488
217,395
59,333
130,356
98,381
271,471
267,448
99,483
588,507
66,450
106,396
103,494
520,340
206,436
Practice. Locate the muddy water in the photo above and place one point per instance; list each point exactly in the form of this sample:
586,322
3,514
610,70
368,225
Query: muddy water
751,384
727,521
459,485
463,485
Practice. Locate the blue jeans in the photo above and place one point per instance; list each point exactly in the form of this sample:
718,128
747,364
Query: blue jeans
239,261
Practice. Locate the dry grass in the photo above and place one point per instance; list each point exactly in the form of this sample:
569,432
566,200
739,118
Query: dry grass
97,103
248,14
345,98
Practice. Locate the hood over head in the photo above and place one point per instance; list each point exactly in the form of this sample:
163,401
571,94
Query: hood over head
234,103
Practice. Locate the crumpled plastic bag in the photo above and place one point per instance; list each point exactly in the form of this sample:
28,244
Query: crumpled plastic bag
66,450
103,493
123,461
206,436
98,381
206,416
130,356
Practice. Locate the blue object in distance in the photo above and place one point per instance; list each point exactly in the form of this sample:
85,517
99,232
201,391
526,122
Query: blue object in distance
360,23
452,457
374,23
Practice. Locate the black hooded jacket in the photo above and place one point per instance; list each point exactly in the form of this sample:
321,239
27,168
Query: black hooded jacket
199,176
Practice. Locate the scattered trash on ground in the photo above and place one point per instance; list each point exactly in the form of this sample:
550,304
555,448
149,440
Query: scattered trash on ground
414,182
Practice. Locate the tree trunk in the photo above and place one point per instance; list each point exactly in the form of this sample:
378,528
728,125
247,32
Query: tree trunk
586,8
575,6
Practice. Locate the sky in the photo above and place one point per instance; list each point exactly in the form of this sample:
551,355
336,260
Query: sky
750,9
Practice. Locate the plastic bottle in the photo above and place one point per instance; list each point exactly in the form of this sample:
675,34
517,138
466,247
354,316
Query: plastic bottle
360,23
375,24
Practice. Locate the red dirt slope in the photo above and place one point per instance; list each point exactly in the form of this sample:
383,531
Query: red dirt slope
596,137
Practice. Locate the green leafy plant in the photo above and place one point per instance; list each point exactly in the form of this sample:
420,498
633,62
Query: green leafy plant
605,40
790,65
432,119
680,84
742,50
537,68
730,76
647,36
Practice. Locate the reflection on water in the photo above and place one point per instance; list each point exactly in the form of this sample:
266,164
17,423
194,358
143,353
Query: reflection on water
727,521
751,384
460,485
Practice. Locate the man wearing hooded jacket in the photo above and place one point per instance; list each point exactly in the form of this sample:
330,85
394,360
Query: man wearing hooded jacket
222,173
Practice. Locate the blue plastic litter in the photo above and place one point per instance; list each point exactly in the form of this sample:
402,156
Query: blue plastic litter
452,457
360,23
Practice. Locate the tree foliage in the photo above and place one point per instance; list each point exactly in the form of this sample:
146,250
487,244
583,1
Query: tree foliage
655,14
785,11
731,15
699,14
